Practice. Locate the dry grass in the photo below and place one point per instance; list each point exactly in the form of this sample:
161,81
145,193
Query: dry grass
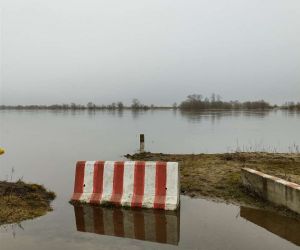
20,201
217,176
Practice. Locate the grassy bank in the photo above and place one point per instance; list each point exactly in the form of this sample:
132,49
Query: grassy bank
217,176
20,201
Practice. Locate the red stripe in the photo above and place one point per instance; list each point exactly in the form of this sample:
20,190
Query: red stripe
160,185
138,185
97,182
79,217
160,226
117,183
118,221
98,220
139,224
79,180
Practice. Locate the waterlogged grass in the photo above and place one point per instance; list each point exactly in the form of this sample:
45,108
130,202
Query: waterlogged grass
106,204
20,201
217,176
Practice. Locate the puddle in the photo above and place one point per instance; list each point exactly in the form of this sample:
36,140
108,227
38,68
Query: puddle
200,224
147,224
164,226
285,227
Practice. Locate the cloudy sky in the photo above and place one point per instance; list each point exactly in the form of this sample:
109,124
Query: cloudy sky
159,51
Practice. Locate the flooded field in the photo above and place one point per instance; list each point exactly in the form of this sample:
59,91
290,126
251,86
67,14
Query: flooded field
44,146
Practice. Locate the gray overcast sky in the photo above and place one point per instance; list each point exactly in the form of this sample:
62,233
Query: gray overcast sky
62,51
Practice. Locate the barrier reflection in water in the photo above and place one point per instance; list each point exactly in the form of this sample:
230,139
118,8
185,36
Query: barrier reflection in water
284,227
142,224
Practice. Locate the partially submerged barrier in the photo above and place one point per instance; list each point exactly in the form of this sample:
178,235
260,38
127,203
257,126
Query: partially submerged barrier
147,224
129,183
271,188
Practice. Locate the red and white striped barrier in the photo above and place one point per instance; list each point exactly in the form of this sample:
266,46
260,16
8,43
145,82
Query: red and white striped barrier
147,224
129,183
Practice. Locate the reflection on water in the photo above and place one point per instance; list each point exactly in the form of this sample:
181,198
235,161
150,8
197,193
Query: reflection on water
142,224
203,225
216,115
12,228
282,226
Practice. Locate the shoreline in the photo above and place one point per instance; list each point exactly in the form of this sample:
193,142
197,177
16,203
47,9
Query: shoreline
145,108
217,176
22,201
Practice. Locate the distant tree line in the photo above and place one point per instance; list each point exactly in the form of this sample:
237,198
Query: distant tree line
198,102
291,106
192,102
136,105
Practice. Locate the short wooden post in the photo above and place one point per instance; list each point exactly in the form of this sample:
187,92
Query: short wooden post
142,143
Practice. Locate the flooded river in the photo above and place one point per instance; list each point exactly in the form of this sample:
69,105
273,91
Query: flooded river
43,147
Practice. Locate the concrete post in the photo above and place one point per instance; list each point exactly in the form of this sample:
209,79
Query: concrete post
142,143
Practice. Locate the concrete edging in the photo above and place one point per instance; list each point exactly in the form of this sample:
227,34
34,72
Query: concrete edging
273,189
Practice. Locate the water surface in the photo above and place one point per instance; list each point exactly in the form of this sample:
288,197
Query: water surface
43,147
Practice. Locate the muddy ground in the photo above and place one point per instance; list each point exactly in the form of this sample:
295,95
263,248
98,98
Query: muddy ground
20,201
217,176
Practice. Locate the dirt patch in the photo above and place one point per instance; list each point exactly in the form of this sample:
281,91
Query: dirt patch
217,176
20,201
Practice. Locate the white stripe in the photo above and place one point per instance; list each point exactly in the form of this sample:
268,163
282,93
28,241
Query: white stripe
172,183
108,178
172,192
149,189
88,181
88,219
128,222
172,227
108,222
150,230
128,180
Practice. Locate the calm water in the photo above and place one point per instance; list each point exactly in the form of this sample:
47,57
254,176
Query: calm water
44,146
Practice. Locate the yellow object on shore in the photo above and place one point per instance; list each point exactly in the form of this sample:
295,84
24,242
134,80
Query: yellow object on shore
2,151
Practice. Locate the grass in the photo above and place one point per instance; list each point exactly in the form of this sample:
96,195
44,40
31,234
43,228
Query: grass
20,201
217,176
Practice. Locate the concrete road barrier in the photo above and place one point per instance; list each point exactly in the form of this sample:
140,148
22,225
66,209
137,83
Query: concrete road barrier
129,183
271,188
141,224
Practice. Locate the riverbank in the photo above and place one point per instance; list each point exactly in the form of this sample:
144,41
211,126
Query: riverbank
217,176
21,201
